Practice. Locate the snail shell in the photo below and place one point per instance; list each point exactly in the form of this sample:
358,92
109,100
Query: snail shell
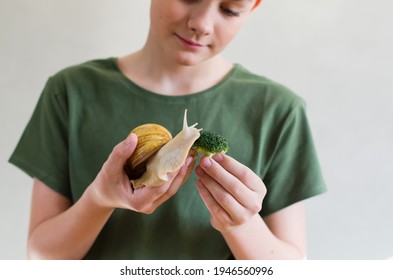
151,138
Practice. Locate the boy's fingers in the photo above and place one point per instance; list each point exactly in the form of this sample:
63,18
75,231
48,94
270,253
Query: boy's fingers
238,170
234,178
120,153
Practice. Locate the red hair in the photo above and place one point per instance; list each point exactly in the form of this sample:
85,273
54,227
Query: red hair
256,4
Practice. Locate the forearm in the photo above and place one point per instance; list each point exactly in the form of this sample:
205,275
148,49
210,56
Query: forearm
70,234
254,240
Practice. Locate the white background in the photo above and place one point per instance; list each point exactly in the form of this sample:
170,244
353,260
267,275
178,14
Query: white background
336,54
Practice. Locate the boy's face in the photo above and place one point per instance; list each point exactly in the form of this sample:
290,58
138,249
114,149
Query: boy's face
192,31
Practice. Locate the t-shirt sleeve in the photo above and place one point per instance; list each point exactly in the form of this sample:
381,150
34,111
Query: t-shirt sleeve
42,150
294,173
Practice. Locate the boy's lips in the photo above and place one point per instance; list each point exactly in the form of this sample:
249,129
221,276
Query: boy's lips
189,42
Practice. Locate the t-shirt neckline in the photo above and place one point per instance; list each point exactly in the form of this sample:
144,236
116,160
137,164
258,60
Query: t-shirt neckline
211,89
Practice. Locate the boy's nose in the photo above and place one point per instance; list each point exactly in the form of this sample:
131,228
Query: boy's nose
201,21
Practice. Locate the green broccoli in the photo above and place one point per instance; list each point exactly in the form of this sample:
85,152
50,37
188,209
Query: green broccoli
211,143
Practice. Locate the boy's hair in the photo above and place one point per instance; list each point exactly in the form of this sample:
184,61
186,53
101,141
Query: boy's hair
257,3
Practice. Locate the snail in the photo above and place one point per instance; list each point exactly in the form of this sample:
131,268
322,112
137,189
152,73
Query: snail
155,157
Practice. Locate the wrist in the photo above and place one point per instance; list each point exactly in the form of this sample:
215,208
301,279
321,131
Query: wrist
242,228
96,198
245,240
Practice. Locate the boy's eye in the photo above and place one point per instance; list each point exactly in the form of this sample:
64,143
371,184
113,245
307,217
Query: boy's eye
226,10
230,12
190,1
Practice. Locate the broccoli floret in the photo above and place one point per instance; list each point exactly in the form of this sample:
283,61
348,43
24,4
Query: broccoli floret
211,143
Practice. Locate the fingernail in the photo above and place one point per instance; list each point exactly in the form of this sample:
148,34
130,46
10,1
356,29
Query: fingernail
128,139
188,161
206,162
218,157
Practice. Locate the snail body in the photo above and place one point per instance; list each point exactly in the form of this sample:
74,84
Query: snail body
169,158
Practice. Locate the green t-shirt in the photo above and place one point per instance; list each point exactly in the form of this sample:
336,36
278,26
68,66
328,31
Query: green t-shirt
85,110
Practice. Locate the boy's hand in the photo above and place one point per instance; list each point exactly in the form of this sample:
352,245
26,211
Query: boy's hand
113,188
232,192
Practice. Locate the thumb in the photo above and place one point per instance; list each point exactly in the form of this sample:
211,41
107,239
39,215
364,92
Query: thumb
130,145
120,153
